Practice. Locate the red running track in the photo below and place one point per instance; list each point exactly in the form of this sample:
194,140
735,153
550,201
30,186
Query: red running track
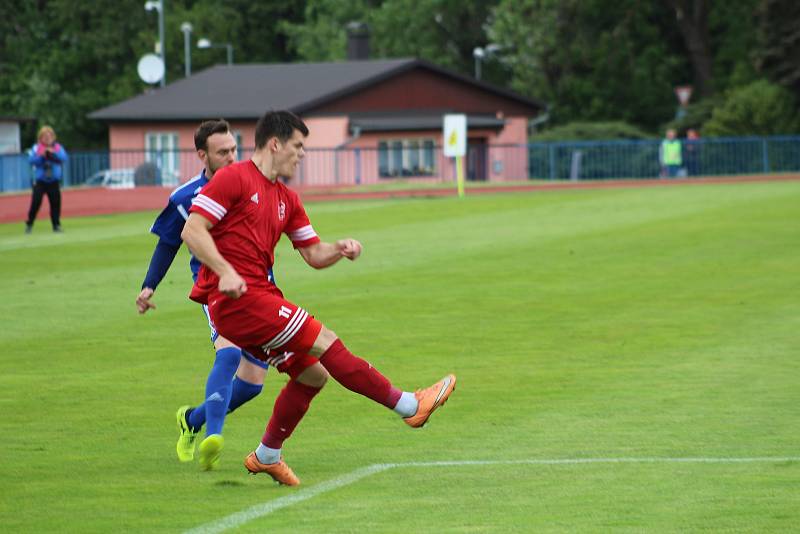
79,202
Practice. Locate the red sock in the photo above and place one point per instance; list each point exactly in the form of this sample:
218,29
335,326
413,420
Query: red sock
358,375
290,407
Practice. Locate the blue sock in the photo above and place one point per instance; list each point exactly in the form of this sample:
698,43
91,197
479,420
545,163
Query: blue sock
197,417
218,388
242,392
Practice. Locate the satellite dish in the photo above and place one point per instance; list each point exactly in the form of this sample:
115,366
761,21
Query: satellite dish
150,68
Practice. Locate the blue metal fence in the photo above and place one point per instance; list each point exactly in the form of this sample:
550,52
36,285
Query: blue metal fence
15,172
573,160
592,160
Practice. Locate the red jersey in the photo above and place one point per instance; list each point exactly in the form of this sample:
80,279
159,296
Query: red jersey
249,212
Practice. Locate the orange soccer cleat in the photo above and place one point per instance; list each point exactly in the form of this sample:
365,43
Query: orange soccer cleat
431,398
280,472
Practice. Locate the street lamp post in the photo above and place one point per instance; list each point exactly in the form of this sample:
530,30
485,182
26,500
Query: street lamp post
480,53
205,43
186,28
158,5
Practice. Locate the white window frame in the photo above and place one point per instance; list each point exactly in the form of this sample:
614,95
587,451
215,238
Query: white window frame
162,149
399,163
237,136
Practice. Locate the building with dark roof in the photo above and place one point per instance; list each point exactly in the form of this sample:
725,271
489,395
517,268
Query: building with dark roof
368,119
10,140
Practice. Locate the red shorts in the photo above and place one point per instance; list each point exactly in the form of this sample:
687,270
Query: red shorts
267,326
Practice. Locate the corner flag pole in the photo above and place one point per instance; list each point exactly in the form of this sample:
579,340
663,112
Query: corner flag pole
460,175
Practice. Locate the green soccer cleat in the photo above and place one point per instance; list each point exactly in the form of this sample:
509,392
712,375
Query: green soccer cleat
187,436
210,449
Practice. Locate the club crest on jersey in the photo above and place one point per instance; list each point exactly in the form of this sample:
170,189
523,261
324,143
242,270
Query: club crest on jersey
254,198
281,210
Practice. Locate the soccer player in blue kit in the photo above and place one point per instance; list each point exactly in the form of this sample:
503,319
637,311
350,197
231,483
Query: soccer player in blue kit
236,376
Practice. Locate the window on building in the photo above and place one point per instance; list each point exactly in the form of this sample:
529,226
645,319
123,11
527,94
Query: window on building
161,148
427,156
396,158
406,157
237,135
383,159
411,160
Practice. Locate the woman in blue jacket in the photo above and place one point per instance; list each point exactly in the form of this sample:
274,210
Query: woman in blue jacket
47,158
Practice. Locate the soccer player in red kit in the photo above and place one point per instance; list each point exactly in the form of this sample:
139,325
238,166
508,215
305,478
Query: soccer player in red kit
233,227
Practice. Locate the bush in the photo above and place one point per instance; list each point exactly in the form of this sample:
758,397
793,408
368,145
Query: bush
760,108
592,131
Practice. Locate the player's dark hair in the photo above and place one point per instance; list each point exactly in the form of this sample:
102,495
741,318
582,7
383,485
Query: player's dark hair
207,129
280,124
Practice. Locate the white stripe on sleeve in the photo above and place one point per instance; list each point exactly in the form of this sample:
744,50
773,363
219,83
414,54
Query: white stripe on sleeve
210,205
301,234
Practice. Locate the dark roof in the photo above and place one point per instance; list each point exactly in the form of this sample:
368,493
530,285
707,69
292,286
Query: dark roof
16,118
411,122
246,91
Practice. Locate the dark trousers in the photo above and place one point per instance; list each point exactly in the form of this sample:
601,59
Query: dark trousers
53,191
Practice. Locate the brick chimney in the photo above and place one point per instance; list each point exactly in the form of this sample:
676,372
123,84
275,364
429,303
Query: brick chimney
357,41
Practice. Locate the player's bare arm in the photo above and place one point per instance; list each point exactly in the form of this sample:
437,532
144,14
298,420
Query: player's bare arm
321,255
197,237
143,300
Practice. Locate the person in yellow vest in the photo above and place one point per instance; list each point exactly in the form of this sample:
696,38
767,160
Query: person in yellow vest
670,155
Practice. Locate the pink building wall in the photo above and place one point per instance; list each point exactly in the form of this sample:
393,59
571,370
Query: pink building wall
323,164
127,144
326,132
505,162
506,157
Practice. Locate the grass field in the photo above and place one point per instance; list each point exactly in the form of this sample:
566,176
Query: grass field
627,361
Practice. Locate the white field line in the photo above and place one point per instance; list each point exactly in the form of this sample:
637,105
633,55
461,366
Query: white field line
260,510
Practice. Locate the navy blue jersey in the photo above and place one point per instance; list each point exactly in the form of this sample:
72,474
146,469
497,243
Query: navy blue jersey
169,223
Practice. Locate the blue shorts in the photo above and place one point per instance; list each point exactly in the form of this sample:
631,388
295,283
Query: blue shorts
214,335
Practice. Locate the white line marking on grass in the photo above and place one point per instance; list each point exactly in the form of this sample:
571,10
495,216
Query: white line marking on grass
260,510
574,461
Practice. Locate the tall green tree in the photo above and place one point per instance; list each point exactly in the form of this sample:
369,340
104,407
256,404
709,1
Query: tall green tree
734,37
253,28
62,59
778,52
592,60
442,31
321,35
692,20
